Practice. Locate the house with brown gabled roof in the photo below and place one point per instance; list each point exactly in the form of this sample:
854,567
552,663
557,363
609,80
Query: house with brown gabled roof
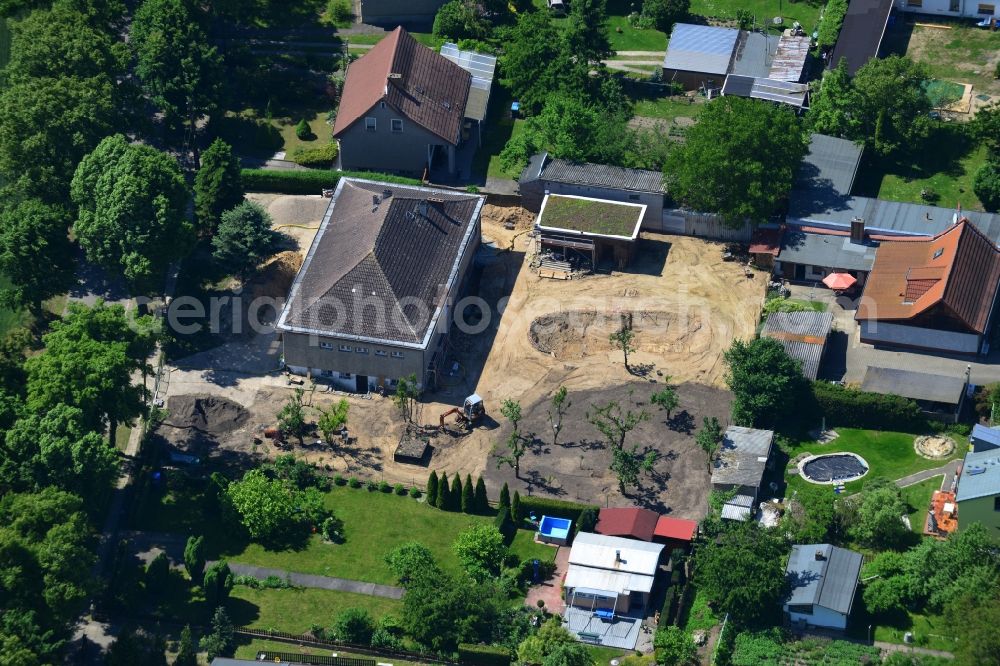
936,293
402,108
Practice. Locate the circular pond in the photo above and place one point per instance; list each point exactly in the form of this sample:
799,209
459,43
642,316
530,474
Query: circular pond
833,468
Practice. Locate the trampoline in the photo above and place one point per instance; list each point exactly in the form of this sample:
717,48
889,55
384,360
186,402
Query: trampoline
833,468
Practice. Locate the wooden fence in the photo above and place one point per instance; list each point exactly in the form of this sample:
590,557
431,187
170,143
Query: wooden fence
311,659
310,641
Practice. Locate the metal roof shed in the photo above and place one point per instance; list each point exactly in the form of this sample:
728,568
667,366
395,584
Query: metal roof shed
803,335
920,386
742,457
984,438
700,48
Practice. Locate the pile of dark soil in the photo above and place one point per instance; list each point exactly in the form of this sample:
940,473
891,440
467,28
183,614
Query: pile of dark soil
205,413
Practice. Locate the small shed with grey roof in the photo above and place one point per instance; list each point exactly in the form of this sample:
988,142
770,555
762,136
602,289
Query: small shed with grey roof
551,175
823,580
802,334
754,54
978,492
740,508
769,90
742,459
810,257
939,396
699,54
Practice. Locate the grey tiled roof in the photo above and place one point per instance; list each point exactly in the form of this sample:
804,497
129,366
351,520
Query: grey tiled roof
742,457
378,271
838,252
829,582
553,169
974,483
700,48
914,385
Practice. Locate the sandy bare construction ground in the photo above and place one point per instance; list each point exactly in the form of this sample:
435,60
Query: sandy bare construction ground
686,306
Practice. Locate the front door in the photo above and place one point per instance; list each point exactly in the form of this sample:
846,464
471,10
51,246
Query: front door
800,272
362,384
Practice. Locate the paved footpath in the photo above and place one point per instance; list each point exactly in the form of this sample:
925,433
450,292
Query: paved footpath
948,470
318,582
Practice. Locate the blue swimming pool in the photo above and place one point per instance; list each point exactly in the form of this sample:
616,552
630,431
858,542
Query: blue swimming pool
554,530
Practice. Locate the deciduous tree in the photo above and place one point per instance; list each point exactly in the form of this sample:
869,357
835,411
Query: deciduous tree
624,340
409,560
269,509
877,519
178,67
292,417
537,62
331,421
406,396
738,160
834,108
560,404
517,445
743,572
709,437
354,625
665,13
666,399
587,30
33,234
132,202
481,551
674,646
893,103
764,379
614,422
88,362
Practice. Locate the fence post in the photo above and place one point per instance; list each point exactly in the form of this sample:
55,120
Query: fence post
722,634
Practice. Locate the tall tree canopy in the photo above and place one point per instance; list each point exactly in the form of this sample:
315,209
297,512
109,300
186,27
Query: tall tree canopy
178,67
217,186
738,160
47,125
61,42
132,201
833,109
44,573
764,379
88,362
587,32
33,234
743,572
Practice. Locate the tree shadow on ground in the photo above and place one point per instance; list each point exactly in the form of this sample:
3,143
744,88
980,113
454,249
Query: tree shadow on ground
682,421
242,612
941,153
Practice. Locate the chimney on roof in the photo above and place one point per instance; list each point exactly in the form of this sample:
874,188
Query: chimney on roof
820,556
858,230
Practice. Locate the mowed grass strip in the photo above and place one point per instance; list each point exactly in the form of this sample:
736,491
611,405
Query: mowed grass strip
889,455
594,217
374,524
295,611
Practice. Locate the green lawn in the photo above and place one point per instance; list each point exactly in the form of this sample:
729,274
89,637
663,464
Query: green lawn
631,39
958,55
918,499
497,131
122,434
889,455
248,647
815,306
295,611
667,108
525,548
944,166
603,655
699,616
929,631
806,13
260,137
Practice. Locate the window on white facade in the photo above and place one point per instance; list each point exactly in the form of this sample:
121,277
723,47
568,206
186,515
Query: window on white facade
345,375
380,352
801,609
361,350
326,345
953,5
914,3
397,354
345,348
396,125
369,124
988,9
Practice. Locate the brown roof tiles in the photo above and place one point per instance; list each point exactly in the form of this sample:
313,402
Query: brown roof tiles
954,274
420,84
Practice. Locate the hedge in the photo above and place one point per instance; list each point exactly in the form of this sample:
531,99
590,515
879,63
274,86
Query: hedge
829,27
851,408
543,506
483,655
308,181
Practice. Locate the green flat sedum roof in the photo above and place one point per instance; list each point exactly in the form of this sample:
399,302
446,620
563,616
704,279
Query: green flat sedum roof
591,216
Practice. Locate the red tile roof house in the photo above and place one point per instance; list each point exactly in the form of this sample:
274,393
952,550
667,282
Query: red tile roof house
646,525
936,293
402,108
